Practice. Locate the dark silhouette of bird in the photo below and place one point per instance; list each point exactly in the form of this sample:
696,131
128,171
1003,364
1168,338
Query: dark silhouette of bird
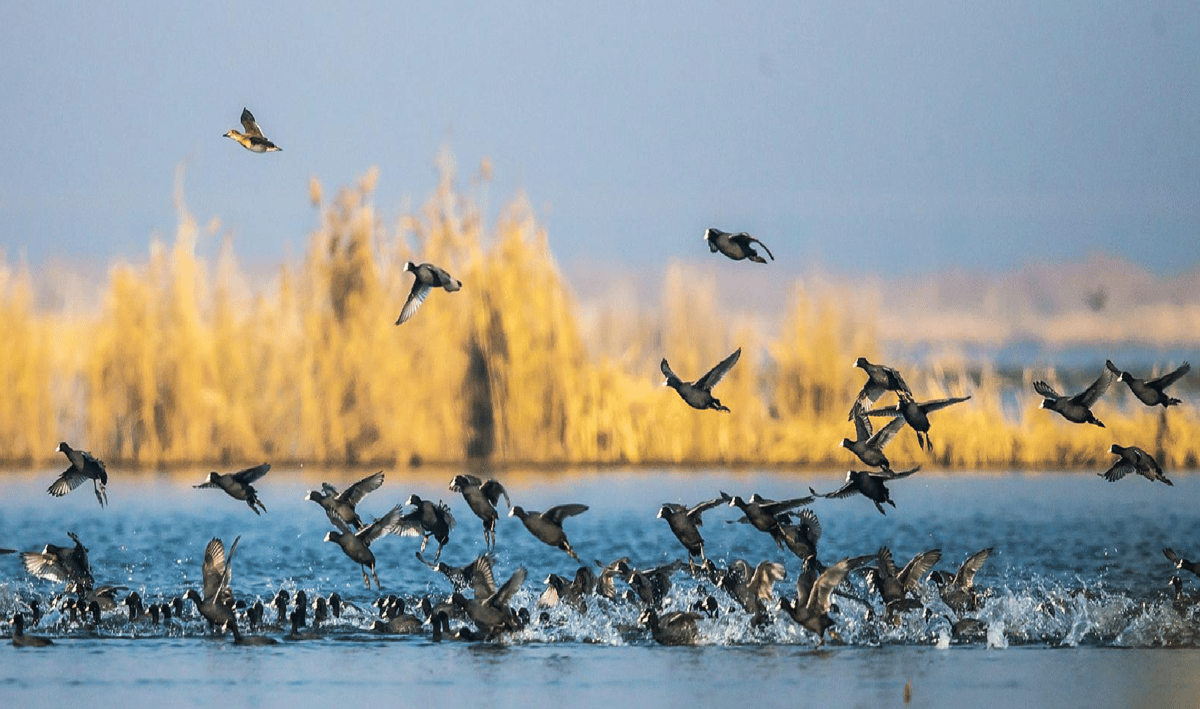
342,503
478,574
426,520
958,590
894,586
237,485
800,537
685,523
547,526
916,415
869,446
1181,563
482,497
253,139
493,615
428,277
698,394
84,466
216,605
764,513
870,485
231,626
674,628
880,379
66,565
357,545
1151,391
1078,407
1134,460
811,607
752,588
20,639
736,246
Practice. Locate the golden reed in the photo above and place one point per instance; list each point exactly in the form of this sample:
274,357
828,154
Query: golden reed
186,362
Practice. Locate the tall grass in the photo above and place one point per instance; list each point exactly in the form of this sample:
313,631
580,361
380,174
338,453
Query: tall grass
189,360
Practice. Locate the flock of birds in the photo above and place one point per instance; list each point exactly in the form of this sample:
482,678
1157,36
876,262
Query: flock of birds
488,612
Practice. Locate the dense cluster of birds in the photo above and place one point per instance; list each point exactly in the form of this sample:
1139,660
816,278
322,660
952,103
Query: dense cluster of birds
488,613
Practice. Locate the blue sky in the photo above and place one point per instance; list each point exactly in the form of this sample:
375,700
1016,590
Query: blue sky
883,138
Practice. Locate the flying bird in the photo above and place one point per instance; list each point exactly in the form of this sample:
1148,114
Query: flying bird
84,466
917,415
482,497
67,565
253,139
685,522
1134,460
870,485
237,485
868,446
342,504
1076,408
736,246
426,520
880,379
427,278
357,545
698,394
1150,391
547,526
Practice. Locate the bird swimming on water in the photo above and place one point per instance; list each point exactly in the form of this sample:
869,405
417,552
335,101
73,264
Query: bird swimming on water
84,466
253,139
736,246
237,485
1150,391
698,394
1076,408
427,278
20,639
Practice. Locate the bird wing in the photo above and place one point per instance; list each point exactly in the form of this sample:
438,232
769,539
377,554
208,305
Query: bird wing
416,296
1120,469
717,373
965,578
249,125
492,490
216,568
895,475
818,595
884,435
501,597
887,566
1096,390
1167,552
764,578
885,411
695,512
751,238
44,566
559,513
1046,390
915,570
814,525
390,523
774,508
938,404
862,423
68,481
843,492
1167,380
356,492
250,475
483,578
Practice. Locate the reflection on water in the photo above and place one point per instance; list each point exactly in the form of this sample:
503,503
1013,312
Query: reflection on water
1077,564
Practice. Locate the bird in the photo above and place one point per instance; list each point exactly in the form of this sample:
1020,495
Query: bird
736,246
800,537
427,520
685,522
231,626
216,605
811,607
20,639
868,446
880,379
870,485
477,574
1181,563
253,139
698,394
894,585
674,628
482,497
752,589
917,415
237,485
958,590
298,634
66,565
84,466
427,278
570,592
1076,408
652,585
357,545
493,615
1150,391
342,503
547,526
1134,460
764,513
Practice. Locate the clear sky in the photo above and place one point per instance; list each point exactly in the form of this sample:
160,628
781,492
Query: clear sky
886,137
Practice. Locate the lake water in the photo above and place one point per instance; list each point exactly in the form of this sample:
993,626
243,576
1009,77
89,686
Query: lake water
1078,609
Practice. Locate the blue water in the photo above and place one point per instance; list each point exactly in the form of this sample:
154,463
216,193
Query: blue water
1078,610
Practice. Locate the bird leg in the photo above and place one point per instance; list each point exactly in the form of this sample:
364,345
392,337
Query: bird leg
424,541
364,573
376,577
567,548
438,553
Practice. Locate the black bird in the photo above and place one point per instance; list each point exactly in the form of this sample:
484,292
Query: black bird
752,589
547,526
870,485
764,513
1134,460
428,277
251,640
1150,391
493,615
570,592
880,379
917,415
650,585
1077,408
20,639
736,246
84,466
894,585
298,634
342,503
675,628
252,139
216,605
427,520
1181,563
68,565
357,545
482,498
237,485
281,602
800,537
868,446
811,607
478,574
958,591
698,394
685,523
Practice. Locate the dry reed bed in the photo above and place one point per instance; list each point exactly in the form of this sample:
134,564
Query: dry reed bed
188,361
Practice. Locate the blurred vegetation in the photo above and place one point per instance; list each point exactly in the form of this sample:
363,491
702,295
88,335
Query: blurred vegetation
189,361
